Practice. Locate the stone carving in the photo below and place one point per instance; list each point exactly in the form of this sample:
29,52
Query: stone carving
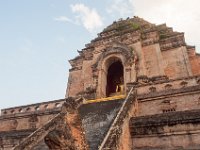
158,79
89,93
170,92
117,48
183,84
198,80
197,101
168,106
33,121
152,89
14,124
168,86
144,80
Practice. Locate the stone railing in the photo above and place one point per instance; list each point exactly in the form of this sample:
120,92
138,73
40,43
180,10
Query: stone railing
40,133
44,106
112,137
155,85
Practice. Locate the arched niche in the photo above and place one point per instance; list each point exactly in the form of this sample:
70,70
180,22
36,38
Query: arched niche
111,55
115,78
110,66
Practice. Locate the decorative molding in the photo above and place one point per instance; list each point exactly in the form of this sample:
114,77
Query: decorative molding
33,122
159,80
169,92
117,48
154,124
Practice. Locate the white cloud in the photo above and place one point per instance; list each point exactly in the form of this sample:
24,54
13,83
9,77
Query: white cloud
182,15
123,8
62,19
90,19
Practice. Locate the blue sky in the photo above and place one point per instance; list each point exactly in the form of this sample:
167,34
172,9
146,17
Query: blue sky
38,37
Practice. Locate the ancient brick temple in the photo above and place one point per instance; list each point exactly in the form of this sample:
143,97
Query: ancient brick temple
134,87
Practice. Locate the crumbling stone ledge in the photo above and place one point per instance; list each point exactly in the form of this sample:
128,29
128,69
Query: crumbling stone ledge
153,124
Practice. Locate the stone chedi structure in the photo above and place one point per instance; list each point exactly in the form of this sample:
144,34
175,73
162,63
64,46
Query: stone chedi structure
134,87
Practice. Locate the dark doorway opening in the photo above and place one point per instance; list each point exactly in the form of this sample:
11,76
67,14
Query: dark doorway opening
115,79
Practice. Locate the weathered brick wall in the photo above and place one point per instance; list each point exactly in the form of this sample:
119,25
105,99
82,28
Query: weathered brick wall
175,140
178,102
17,123
75,83
9,139
173,130
166,85
194,61
167,116
176,63
141,68
153,60
172,95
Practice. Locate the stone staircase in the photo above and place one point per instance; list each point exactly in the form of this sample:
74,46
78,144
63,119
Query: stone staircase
63,132
86,125
118,131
